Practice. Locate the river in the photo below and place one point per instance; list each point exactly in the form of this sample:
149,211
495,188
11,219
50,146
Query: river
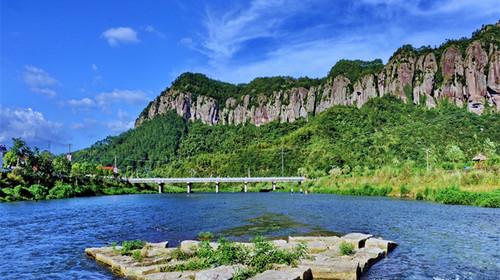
45,240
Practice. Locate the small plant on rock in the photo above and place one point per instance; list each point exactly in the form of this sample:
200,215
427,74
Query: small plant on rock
346,249
129,246
137,256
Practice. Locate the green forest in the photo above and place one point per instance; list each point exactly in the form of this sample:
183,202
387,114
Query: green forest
387,147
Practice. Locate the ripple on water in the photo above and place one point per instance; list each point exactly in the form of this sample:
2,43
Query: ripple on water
47,239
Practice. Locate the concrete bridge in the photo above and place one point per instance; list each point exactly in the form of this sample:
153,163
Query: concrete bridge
190,181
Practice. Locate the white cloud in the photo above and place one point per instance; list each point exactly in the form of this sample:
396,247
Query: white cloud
307,57
86,124
39,81
118,95
29,125
118,35
84,102
122,123
104,99
228,32
426,8
153,30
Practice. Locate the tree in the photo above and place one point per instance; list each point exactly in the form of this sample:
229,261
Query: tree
9,159
62,166
454,154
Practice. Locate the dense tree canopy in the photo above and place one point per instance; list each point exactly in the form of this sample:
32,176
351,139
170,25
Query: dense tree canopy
385,131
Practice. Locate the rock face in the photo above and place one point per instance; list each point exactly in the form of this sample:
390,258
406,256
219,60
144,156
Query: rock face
463,76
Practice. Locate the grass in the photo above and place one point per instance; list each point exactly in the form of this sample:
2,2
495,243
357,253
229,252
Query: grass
129,246
346,249
473,187
257,258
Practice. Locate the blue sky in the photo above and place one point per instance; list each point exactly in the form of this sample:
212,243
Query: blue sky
77,71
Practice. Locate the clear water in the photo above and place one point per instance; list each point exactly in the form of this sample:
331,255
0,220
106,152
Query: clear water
45,240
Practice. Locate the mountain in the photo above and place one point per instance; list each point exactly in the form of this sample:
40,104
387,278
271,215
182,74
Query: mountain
464,72
400,115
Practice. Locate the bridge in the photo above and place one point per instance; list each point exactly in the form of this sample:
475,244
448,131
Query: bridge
217,180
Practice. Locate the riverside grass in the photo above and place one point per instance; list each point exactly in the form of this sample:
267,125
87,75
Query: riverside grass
462,187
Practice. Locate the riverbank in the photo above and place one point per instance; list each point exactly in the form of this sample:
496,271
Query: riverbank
306,257
17,188
461,187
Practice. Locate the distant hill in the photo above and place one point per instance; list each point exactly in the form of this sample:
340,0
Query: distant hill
464,72
437,104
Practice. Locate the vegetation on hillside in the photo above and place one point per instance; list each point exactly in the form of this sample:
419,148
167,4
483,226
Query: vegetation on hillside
355,69
387,145
199,84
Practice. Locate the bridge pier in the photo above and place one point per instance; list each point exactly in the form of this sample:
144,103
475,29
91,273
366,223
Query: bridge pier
188,188
245,187
161,187
274,186
217,187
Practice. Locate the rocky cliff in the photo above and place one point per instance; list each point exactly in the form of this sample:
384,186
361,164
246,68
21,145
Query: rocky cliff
464,72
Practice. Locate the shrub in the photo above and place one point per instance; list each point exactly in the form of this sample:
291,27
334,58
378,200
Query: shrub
137,256
346,249
61,190
419,196
38,192
129,246
258,258
205,235
404,190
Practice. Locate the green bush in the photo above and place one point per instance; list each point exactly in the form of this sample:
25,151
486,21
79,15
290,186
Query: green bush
61,190
404,190
38,192
131,245
258,258
346,249
137,255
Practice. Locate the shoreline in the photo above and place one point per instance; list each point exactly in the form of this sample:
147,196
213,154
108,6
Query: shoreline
449,196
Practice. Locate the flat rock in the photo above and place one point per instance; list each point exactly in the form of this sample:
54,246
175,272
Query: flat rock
336,268
224,272
385,245
189,246
368,256
286,274
315,244
356,239
178,275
